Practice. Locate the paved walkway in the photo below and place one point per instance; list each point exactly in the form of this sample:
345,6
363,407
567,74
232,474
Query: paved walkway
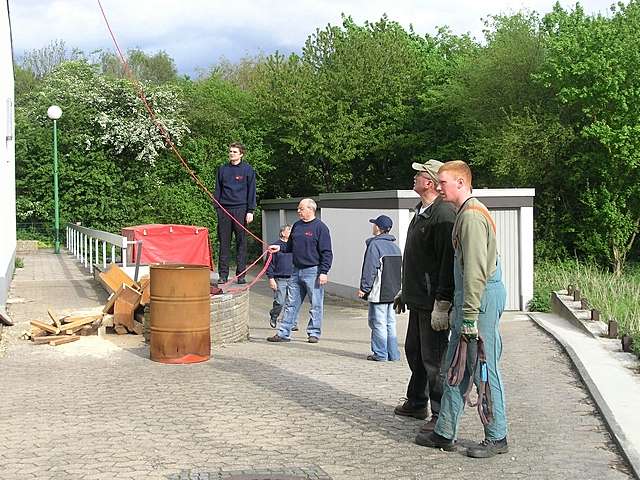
99,409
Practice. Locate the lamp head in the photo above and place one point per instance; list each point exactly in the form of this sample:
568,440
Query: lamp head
54,112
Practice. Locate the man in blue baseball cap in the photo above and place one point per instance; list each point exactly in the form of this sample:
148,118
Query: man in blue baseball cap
379,284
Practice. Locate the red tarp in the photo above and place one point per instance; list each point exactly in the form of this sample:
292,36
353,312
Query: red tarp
171,244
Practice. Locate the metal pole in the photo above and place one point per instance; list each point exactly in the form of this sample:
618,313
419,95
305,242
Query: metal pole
55,186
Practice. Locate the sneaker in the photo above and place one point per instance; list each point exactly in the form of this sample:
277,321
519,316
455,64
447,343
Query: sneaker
313,339
433,440
408,410
488,448
273,322
430,425
294,328
277,338
373,358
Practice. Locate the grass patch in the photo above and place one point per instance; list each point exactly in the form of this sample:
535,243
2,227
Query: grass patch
617,297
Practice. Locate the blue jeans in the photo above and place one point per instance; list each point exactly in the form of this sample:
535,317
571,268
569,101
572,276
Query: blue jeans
491,308
382,321
279,297
303,282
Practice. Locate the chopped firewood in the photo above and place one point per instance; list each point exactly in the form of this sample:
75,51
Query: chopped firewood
65,339
45,326
120,330
37,332
115,277
87,330
54,317
47,339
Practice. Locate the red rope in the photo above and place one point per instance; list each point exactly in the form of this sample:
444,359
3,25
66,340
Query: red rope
169,142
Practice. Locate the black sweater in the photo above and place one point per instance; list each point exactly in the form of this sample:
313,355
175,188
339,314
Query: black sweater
236,186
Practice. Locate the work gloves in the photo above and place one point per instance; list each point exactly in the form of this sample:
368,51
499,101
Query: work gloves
440,315
469,329
398,304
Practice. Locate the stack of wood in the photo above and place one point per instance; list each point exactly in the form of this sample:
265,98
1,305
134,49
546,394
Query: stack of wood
65,328
127,300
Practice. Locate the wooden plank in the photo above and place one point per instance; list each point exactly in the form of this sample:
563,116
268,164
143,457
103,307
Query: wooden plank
115,277
145,288
47,339
126,303
78,324
45,326
108,307
54,317
65,339
120,330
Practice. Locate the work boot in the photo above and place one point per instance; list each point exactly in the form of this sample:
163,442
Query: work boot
430,425
488,448
433,440
407,409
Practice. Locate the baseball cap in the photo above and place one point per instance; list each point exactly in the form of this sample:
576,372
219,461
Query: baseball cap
383,222
430,166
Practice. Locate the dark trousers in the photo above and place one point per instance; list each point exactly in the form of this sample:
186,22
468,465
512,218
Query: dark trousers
425,350
225,227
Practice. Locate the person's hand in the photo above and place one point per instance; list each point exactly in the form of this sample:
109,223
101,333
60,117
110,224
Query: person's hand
274,248
323,278
249,217
273,284
398,304
440,315
469,330
361,294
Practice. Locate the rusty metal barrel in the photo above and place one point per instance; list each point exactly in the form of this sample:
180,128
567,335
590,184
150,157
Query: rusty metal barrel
179,312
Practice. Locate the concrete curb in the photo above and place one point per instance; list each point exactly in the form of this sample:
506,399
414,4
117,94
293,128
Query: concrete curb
618,432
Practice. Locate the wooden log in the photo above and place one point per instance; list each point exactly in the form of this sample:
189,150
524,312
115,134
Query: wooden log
45,326
65,339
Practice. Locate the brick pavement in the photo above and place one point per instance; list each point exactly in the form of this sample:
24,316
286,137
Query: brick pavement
99,409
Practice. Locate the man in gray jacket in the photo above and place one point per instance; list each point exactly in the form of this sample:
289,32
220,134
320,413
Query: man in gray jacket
427,290
379,284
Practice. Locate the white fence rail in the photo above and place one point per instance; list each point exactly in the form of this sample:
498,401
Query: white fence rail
89,246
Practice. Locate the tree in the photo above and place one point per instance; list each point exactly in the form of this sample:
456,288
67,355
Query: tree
155,69
42,61
591,69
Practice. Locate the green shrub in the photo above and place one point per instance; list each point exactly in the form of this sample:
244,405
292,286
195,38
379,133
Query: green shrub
19,262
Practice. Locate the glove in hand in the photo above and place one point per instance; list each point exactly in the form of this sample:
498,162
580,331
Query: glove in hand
398,304
440,315
469,329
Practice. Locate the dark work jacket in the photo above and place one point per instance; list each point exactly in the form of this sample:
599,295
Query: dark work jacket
427,267
281,265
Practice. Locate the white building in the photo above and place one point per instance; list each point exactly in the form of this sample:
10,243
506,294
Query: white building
347,216
7,156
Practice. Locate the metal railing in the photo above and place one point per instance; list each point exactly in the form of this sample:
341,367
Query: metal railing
84,243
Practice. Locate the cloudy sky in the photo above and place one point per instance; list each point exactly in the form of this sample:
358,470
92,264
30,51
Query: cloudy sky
196,33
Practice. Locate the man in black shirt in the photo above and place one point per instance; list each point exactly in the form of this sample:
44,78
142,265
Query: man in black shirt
236,192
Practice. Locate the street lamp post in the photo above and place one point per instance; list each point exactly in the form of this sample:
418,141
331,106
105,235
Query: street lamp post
54,113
